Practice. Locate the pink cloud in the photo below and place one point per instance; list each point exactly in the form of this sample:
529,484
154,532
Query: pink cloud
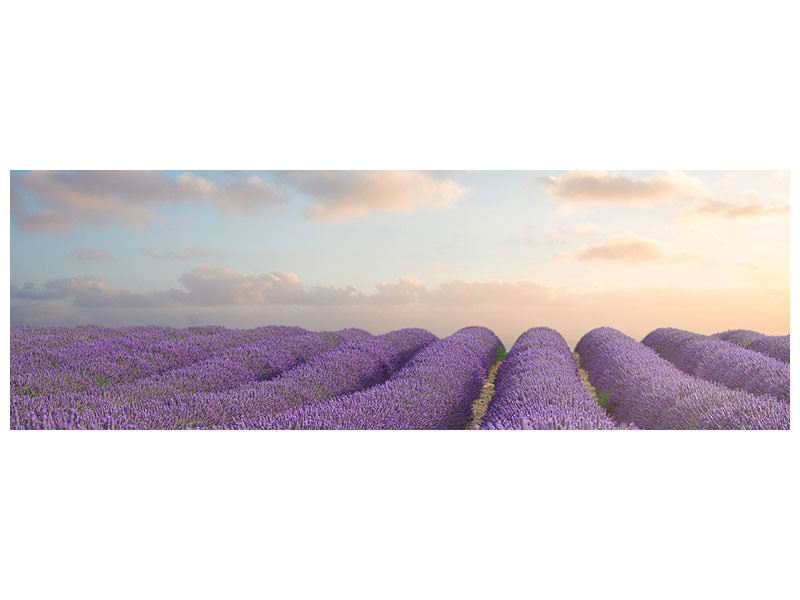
57,201
344,195
602,187
626,247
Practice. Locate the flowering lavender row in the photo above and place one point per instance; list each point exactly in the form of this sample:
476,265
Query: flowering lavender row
435,390
239,365
360,361
110,407
538,387
740,337
352,366
85,367
775,346
650,392
720,361
27,338
32,339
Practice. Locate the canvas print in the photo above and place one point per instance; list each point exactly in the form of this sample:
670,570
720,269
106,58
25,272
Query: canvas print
464,300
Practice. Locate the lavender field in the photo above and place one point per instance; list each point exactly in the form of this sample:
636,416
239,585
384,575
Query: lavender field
278,377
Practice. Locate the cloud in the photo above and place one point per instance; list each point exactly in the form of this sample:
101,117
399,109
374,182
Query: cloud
403,291
626,247
601,187
709,207
757,209
88,292
57,201
187,254
344,195
208,287
245,194
508,308
89,254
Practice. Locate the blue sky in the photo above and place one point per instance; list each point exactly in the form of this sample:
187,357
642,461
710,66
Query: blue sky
383,250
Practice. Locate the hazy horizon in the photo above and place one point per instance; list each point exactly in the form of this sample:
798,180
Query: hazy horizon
572,250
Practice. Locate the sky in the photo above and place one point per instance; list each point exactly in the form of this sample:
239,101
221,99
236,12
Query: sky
572,250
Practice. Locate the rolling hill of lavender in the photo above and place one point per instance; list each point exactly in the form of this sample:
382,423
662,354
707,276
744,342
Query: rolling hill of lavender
279,377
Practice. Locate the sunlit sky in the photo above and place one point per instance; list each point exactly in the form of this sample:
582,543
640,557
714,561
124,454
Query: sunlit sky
572,250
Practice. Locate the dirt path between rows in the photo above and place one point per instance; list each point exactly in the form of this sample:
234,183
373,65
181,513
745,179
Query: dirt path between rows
481,403
585,378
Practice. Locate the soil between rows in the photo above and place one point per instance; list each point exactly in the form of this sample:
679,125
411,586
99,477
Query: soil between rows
481,403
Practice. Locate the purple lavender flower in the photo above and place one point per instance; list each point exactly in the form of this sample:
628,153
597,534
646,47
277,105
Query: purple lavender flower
650,392
435,390
741,337
720,361
774,346
538,387
271,374
83,392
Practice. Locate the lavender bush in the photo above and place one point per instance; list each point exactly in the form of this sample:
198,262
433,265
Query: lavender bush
435,390
774,346
288,378
87,366
360,360
538,387
740,337
43,400
720,361
649,391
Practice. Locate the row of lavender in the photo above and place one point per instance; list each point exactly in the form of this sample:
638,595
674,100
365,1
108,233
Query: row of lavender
288,378
774,346
435,390
538,386
715,359
357,364
85,365
55,385
284,368
673,379
647,390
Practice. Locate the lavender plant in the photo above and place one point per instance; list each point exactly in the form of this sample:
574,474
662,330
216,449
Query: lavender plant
774,346
650,392
359,360
435,390
740,337
721,361
538,387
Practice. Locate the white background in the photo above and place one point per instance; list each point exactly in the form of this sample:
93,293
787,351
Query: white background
355,85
